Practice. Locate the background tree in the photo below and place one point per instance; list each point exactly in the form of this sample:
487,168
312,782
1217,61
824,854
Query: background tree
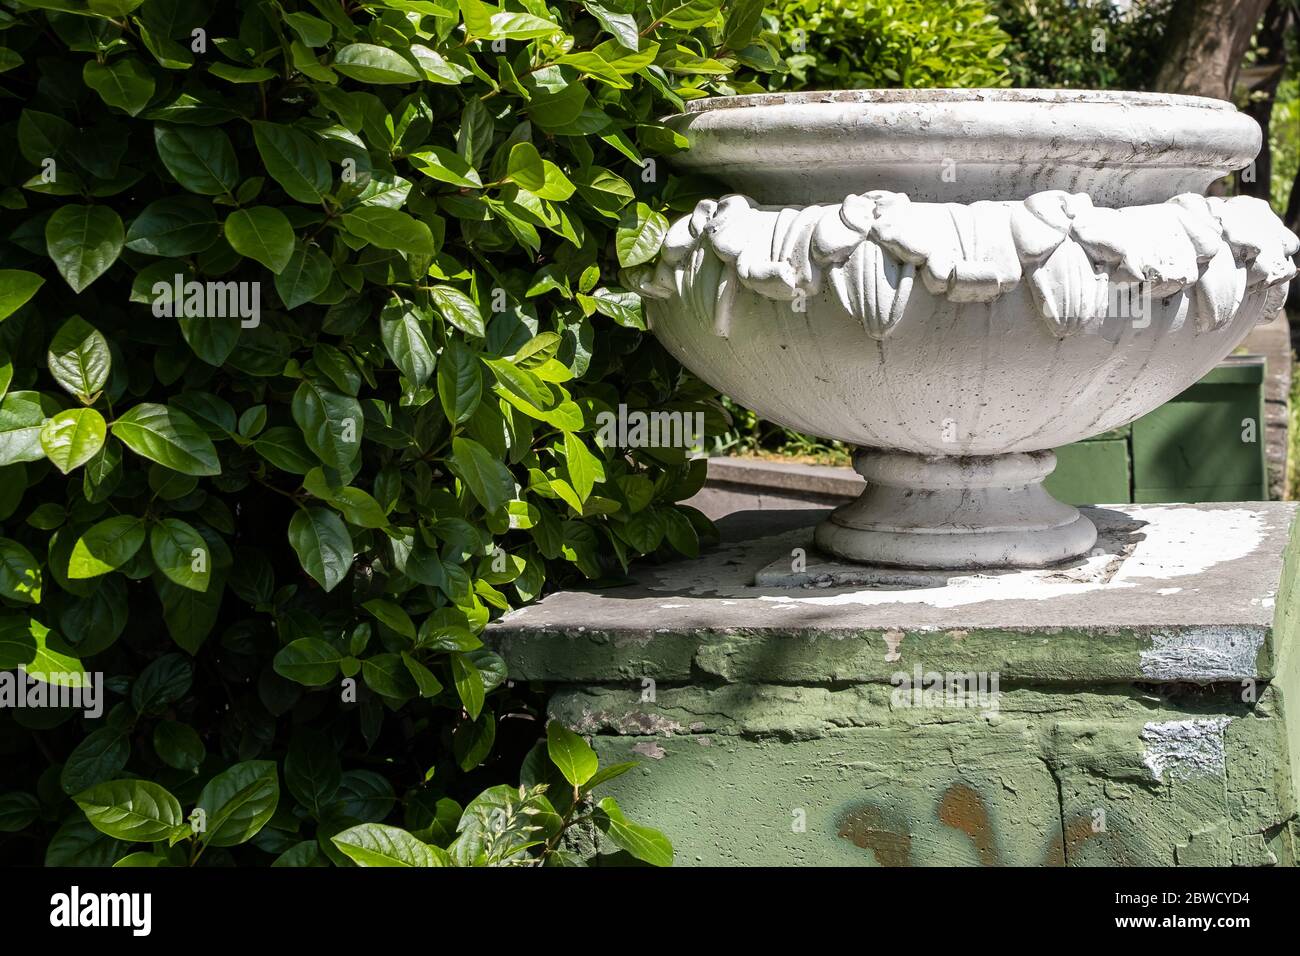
1207,40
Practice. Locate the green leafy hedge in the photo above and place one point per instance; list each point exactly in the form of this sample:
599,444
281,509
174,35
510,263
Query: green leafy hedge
278,530
1083,44
864,44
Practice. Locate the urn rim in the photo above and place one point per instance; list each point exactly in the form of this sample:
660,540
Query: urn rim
1122,148
955,95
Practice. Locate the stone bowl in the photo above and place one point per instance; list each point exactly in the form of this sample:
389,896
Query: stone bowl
959,281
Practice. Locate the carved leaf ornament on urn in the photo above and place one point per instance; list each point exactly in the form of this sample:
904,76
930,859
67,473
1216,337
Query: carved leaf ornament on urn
959,281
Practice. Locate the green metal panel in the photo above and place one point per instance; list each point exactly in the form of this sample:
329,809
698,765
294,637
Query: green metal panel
1196,447
1207,444
1091,472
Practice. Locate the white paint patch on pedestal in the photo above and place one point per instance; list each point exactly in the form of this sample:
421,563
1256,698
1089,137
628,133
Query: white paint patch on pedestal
1174,542
1183,749
1203,654
1182,541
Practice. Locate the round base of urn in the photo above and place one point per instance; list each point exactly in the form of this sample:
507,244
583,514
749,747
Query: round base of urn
960,513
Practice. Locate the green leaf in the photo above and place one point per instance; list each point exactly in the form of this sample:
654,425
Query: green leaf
262,233
308,661
79,359
486,477
644,843
331,423
608,773
77,843
283,447
460,384
386,612
743,20
374,64
181,553
22,416
478,18
106,546
17,641
570,753
521,383
584,468
305,277
625,308
200,158
168,437
525,167
42,653
390,229
83,241
241,74
211,338
99,756
136,811
446,167
141,858
477,130
176,226
306,853
17,811
189,615
406,343
313,31
312,770
294,159
690,13
376,844
16,288
359,508
469,684
640,234
163,682
178,745
72,438
20,573
425,682
458,309
472,740
239,802
323,545
521,26
387,676
125,83
620,25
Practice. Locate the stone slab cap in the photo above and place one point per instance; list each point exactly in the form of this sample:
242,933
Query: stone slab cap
1172,593
783,476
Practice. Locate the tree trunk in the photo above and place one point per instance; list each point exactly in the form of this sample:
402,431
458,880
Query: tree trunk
1261,81
1206,42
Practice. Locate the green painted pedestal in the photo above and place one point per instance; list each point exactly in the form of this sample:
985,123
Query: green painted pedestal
1135,708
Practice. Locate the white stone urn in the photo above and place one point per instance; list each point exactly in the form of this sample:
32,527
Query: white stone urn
959,281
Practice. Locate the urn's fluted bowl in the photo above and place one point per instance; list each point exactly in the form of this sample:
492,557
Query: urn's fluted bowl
1072,279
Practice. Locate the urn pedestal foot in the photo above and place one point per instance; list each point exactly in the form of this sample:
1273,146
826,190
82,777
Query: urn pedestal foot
937,512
